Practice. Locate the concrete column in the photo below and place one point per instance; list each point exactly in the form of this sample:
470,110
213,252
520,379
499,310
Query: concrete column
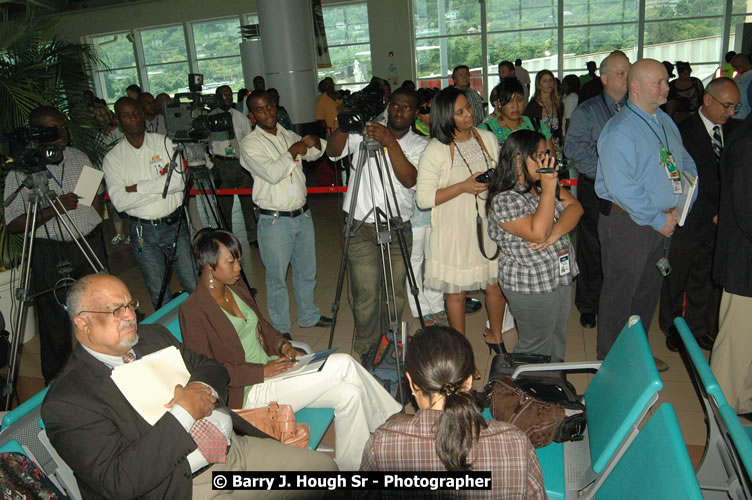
289,57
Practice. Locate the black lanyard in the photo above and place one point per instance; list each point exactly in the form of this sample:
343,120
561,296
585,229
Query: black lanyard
652,130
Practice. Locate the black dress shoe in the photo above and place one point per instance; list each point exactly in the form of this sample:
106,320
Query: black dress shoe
587,320
672,343
322,322
706,342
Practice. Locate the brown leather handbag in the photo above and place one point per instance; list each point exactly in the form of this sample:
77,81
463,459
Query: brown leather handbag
279,422
542,422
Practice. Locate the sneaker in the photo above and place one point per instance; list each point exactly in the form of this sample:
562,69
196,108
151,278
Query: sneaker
127,240
117,239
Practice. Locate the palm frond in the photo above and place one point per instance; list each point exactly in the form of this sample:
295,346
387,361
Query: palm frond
37,69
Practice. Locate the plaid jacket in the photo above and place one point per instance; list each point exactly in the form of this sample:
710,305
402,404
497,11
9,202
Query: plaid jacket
408,445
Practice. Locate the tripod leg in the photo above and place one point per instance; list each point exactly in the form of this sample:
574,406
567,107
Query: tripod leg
19,321
348,230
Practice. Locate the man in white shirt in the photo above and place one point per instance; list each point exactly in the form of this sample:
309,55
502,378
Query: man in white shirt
285,228
228,173
135,171
53,245
404,148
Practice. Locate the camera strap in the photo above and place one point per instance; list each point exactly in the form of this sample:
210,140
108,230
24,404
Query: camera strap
478,218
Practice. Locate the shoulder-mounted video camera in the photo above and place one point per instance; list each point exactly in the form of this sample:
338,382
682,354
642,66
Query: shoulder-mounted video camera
187,117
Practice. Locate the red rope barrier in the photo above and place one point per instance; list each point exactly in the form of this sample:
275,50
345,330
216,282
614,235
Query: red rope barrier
323,189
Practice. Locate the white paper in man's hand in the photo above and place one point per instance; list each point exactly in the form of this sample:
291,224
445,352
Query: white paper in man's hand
88,185
149,383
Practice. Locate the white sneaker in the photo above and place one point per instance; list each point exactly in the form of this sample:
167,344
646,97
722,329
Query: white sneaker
118,238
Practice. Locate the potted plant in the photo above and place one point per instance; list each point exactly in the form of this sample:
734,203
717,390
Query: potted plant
37,69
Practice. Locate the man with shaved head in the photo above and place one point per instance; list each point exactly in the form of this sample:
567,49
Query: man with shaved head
112,450
56,253
693,245
640,161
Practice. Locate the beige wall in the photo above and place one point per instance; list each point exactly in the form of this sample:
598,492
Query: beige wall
390,24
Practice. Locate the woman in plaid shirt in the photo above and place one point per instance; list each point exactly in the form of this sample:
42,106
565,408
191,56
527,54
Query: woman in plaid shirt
448,433
530,218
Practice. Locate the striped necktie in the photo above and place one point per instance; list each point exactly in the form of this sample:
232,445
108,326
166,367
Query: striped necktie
717,141
128,357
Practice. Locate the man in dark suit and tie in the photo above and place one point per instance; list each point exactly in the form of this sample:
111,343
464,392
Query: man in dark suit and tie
692,246
731,359
112,450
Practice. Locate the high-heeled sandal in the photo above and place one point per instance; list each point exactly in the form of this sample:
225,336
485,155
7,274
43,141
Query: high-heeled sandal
497,348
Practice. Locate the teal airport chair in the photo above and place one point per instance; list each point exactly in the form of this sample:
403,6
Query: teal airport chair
23,426
726,466
624,388
656,464
318,419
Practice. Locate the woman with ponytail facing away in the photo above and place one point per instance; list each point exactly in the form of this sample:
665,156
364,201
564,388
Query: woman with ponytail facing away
448,433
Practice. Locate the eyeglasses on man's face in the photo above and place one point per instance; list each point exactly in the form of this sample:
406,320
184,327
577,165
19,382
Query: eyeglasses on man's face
727,105
118,311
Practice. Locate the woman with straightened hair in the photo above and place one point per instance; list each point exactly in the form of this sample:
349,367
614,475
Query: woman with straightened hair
458,260
546,106
221,320
510,102
449,432
530,218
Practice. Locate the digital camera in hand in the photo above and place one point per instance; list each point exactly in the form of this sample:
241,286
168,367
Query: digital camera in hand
486,176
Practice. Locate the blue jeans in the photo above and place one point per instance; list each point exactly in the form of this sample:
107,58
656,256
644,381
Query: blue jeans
283,242
158,240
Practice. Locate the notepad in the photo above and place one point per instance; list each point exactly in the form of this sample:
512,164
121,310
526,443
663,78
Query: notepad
88,185
309,363
149,383
689,186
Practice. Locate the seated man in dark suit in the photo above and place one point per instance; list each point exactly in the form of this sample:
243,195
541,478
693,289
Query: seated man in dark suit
112,450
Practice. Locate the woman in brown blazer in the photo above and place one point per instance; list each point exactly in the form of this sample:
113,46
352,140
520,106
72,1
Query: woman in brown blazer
221,320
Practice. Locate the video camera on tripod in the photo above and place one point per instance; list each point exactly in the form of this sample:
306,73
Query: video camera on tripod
190,117
362,106
25,149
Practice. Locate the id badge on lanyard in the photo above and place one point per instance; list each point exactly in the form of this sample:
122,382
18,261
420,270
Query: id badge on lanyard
564,265
669,165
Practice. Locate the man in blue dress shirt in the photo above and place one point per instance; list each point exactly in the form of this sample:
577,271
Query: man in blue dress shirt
581,144
640,160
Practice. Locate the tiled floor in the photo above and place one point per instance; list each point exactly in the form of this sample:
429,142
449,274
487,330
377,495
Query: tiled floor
581,344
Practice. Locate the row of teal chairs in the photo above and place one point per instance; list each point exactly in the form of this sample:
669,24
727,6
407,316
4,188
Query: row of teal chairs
726,466
616,459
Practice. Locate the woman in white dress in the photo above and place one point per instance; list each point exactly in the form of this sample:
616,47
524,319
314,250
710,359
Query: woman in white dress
459,259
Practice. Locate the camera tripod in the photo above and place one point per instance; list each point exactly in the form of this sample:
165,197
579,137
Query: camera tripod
198,173
371,153
40,193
